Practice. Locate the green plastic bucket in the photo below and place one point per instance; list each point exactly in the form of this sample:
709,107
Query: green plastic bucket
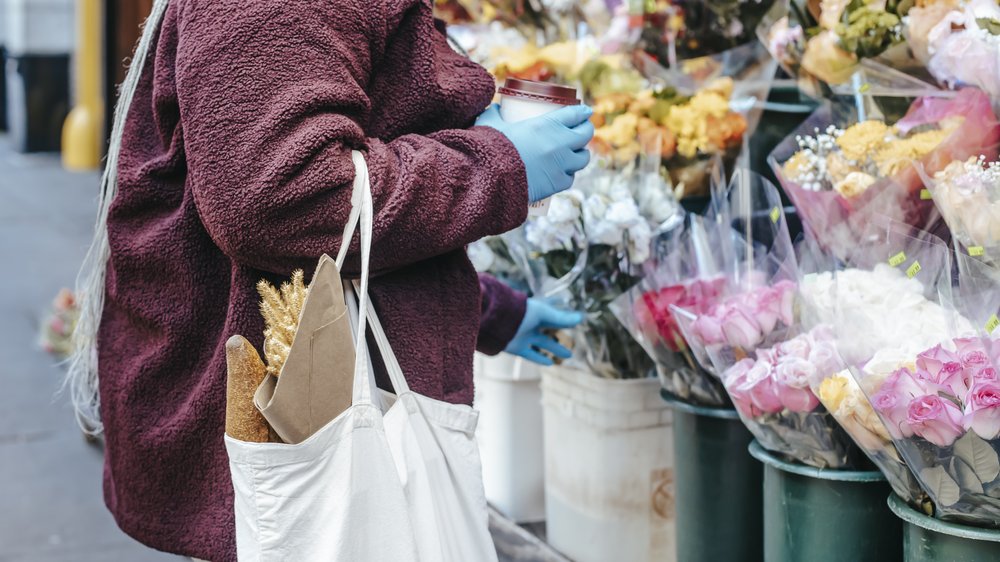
718,486
819,515
926,539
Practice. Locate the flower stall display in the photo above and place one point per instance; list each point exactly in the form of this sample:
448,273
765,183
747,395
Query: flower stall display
889,303
872,309
968,195
590,249
681,273
943,412
825,43
958,41
754,340
686,131
954,42
841,176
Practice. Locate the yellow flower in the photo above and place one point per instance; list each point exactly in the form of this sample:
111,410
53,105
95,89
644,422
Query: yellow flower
854,184
896,155
826,60
833,391
797,165
620,132
689,122
859,140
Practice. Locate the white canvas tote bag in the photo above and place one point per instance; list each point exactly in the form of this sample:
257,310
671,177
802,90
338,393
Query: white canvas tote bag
395,479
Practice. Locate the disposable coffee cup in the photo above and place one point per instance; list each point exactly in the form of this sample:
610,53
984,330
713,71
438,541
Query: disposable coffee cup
525,99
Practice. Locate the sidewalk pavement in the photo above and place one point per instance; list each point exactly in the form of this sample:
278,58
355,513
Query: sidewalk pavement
51,507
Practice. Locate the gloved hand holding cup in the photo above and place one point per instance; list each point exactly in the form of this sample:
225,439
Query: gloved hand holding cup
550,130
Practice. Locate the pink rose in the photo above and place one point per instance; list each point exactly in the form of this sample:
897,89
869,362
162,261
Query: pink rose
971,352
892,399
798,347
767,309
943,368
935,359
792,377
892,408
740,329
707,329
786,312
825,358
759,385
982,410
736,385
935,419
986,374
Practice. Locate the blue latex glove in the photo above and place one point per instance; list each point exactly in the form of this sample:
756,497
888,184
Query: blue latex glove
530,338
552,146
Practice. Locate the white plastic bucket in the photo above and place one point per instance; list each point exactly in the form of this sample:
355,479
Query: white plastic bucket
608,468
509,400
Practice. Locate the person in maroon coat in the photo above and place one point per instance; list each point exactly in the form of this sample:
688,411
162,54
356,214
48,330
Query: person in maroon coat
231,162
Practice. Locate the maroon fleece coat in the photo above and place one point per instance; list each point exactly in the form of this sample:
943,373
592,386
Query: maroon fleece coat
236,166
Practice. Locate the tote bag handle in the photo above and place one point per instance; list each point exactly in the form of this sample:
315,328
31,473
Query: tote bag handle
362,214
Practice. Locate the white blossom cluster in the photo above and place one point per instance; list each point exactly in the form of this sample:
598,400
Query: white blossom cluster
816,150
609,207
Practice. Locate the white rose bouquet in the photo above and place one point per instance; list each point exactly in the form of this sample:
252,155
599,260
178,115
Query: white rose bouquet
589,249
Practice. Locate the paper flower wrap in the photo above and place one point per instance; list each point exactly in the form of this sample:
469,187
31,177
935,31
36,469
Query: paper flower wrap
841,179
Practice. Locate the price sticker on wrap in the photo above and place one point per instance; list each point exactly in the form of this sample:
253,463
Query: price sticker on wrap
992,324
898,259
913,270
976,250
775,214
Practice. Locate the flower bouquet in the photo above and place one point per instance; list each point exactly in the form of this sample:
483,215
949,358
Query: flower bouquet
681,273
887,303
968,196
941,405
589,250
841,176
754,341
824,43
958,41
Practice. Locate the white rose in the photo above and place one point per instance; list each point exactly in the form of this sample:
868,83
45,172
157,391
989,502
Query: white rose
624,213
481,256
565,207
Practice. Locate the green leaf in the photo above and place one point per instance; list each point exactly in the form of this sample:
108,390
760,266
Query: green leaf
940,485
967,479
991,25
979,456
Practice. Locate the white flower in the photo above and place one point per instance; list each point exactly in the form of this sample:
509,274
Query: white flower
481,256
565,206
547,236
640,242
624,213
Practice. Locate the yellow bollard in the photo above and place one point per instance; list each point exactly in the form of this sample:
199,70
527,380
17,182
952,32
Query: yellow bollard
82,132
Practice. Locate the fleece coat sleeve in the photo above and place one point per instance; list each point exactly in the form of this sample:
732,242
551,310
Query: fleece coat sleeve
274,107
502,310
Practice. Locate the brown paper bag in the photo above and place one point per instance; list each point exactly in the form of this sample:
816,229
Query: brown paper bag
316,382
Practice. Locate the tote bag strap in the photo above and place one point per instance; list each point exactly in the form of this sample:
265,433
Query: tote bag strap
362,212
362,209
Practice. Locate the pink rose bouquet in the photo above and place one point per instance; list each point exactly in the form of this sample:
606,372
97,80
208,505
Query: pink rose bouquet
773,394
943,413
646,312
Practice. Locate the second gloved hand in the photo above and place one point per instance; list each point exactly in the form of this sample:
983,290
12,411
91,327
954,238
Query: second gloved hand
552,146
530,337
